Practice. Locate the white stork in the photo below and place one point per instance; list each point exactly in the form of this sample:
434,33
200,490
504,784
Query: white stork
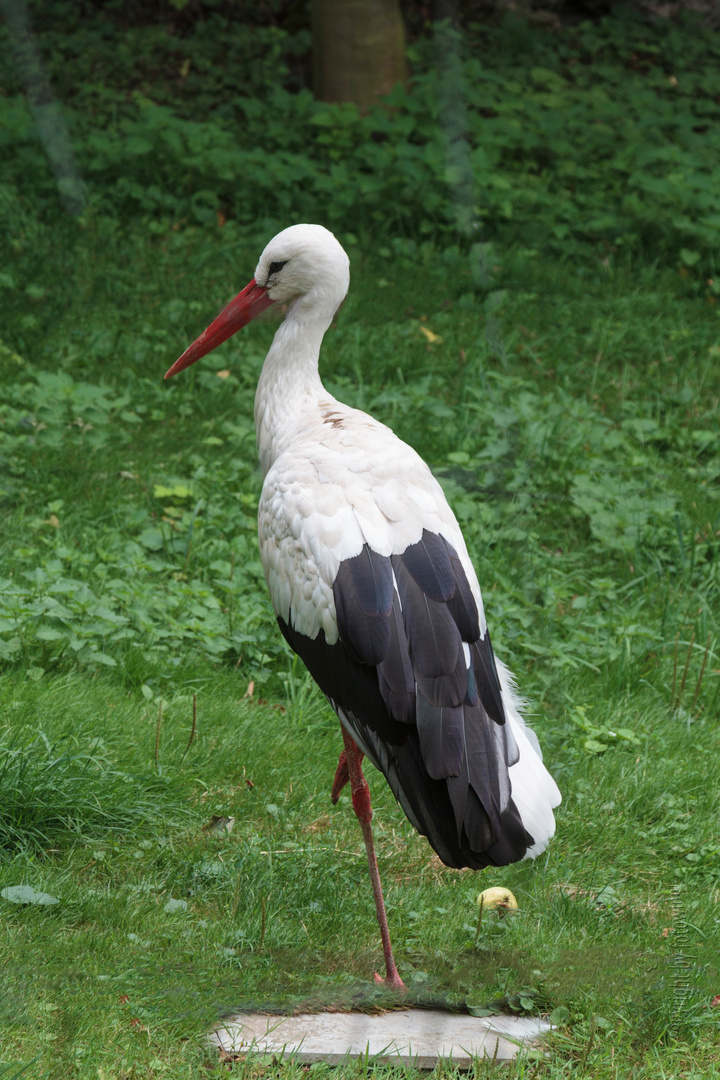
373,588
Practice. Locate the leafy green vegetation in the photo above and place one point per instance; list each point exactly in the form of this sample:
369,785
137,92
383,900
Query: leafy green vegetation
561,378
608,134
583,463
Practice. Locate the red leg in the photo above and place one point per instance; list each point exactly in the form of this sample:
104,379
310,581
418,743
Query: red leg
353,756
342,777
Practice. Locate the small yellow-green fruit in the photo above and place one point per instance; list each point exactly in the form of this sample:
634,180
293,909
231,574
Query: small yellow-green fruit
496,898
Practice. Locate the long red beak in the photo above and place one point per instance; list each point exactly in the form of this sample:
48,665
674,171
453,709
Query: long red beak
239,312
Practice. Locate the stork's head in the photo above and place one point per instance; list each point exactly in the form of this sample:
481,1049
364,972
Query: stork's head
303,265
305,261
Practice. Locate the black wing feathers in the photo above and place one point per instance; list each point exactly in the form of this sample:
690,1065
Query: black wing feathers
434,640
461,604
395,673
428,562
442,738
401,684
363,592
488,683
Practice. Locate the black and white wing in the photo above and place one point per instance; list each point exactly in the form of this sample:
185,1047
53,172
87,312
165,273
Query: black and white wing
393,634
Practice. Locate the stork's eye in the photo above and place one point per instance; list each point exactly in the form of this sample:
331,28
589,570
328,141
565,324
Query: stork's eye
275,267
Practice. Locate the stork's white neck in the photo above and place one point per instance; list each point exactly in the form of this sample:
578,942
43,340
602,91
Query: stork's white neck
289,389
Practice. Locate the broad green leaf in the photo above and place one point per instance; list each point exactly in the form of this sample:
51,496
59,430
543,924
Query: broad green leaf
172,907
176,491
25,894
152,539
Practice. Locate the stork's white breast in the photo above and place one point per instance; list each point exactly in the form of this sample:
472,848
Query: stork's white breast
345,480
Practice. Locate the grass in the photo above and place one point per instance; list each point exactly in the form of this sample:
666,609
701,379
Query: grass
571,410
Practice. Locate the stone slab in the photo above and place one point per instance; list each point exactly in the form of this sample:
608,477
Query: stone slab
417,1037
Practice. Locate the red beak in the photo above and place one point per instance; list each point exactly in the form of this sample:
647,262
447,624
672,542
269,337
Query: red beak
239,312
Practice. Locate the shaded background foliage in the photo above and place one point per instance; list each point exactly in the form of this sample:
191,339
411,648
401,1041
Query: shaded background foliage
579,131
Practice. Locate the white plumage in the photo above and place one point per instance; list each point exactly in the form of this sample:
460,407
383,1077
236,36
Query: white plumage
370,578
323,500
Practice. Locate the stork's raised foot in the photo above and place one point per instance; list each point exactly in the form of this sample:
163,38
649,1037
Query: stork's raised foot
350,768
342,776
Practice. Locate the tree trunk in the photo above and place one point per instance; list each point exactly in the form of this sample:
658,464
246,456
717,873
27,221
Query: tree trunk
358,49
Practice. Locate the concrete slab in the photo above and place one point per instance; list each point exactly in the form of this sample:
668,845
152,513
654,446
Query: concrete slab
417,1037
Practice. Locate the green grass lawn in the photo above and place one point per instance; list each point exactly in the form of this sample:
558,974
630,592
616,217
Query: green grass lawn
571,409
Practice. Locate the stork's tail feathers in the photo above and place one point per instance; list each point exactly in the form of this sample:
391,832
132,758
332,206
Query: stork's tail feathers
463,829
534,791
522,830
496,810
